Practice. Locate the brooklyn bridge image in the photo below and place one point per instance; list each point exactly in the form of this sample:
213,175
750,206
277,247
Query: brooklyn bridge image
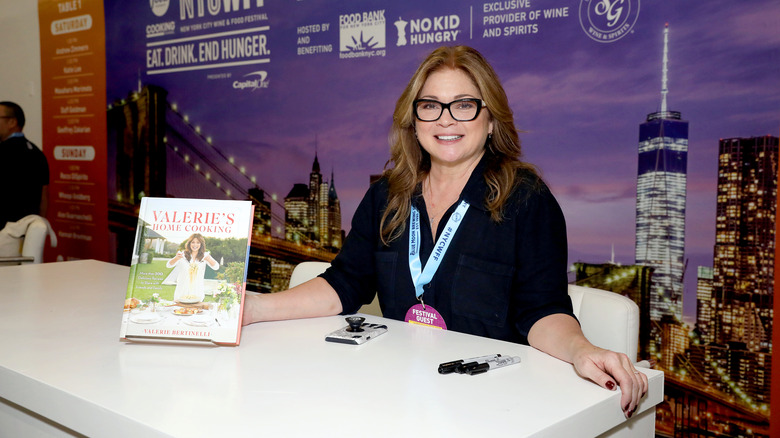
157,151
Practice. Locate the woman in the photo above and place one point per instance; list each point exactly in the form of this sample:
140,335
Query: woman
190,267
492,236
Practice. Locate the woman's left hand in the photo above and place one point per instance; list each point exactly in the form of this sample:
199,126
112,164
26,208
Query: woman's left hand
560,335
610,370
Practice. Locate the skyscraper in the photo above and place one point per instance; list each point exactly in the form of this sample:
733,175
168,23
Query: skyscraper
262,218
705,306
660,202
296,214
313,212
334,216
745,239
315,183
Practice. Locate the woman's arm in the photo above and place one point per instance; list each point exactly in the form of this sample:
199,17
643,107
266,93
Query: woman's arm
172,262
560,335
211,262
311,299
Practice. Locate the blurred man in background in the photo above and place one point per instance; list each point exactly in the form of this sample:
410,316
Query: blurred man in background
24,171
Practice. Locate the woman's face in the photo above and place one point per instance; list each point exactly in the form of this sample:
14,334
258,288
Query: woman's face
449,142
195,245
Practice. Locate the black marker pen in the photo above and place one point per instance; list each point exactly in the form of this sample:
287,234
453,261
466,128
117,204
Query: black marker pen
491,364
449,367
468,363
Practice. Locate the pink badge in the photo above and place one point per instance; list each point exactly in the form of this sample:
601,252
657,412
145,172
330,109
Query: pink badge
427,316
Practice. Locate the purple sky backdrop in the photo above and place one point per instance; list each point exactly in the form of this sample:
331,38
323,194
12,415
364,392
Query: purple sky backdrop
579,102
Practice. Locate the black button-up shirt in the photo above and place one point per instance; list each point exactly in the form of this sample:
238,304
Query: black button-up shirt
496,279
24,172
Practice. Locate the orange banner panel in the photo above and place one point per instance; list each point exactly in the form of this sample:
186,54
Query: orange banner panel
73,83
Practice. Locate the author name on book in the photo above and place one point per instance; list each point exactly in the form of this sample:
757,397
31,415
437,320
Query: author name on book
169,332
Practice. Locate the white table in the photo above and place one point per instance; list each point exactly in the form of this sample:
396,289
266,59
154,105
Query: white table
64,369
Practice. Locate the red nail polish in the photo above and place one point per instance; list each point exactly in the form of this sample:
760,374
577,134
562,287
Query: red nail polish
628,415
611,385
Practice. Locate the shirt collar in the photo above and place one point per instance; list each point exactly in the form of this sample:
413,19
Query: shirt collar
473,192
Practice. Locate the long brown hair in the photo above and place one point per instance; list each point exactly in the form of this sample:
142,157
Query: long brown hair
201,251
412,163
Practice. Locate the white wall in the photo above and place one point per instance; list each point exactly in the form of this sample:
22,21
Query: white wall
20,62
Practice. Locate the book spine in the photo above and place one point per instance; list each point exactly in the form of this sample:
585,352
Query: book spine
133,264
139,229
246,271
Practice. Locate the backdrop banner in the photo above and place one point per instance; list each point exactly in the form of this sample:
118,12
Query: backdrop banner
633,112
73,95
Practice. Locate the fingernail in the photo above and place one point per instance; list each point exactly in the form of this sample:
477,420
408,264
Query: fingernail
625,409
611,385
629,414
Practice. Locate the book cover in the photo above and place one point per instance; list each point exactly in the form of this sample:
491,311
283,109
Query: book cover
188,271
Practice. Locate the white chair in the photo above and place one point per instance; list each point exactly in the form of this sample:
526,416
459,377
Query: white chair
23,241
305,271
608,320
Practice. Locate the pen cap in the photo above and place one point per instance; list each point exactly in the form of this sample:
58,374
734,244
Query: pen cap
462,368
449,367
477,369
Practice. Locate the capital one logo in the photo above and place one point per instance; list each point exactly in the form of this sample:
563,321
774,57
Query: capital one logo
252,84
607,21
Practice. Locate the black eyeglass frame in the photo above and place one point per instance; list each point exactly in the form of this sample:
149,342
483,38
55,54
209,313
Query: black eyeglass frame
479,102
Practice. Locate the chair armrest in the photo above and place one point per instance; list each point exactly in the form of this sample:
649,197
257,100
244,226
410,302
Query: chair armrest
35,240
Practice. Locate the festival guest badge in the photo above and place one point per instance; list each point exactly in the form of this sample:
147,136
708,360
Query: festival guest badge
423,314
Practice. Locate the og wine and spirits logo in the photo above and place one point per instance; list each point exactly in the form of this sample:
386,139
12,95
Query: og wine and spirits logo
607,21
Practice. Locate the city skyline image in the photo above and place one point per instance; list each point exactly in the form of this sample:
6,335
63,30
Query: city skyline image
582,104
637,138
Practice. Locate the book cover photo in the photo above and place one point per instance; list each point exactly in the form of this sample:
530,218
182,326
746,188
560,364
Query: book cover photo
188,271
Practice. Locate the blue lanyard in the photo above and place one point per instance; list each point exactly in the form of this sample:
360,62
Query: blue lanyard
421,277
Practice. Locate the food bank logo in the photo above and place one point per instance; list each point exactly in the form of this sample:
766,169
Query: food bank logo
607,21
362,34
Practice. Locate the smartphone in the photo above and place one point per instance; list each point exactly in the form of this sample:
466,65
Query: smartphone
357,332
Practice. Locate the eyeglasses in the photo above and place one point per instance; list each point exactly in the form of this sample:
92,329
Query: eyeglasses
462,110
